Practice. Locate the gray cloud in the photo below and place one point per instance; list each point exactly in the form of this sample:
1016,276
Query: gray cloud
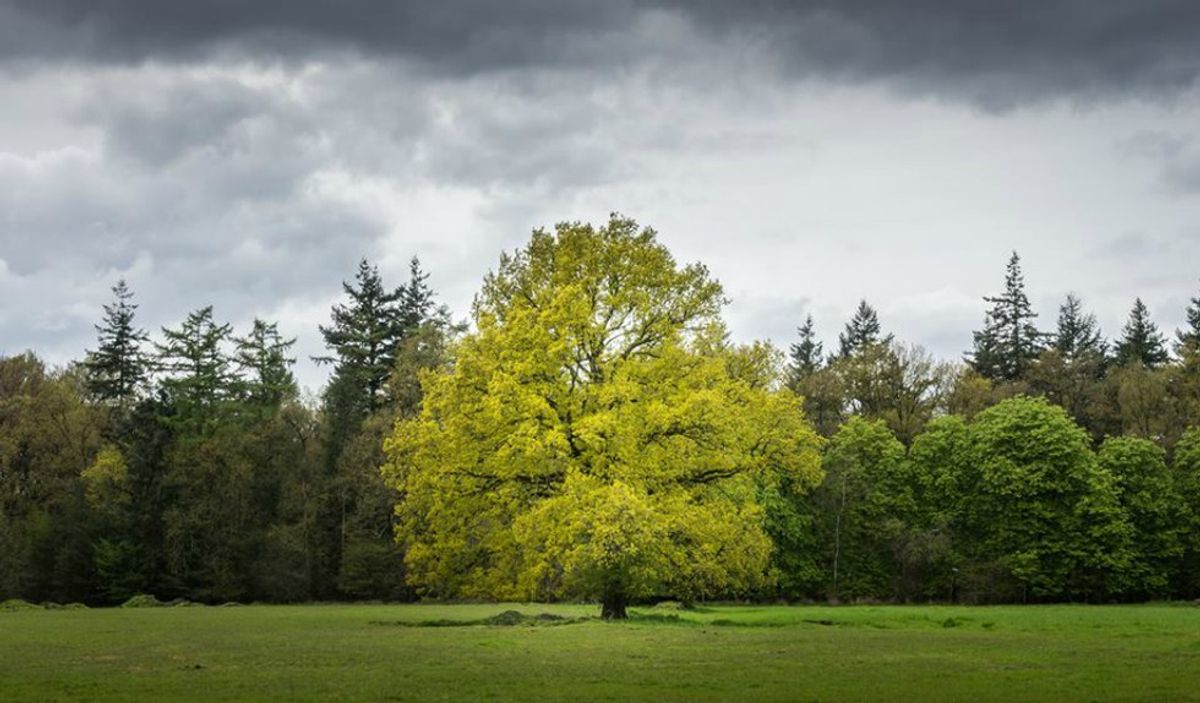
811,153
1175,155
994,54
453,36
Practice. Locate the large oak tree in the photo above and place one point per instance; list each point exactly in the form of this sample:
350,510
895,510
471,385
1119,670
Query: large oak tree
596,437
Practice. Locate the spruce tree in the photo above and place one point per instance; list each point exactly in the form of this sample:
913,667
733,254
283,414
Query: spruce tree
1078,335
1188,339
1009,343
263,356
199,379
1141,342
365,336
863,330
804,357
416,304
118,367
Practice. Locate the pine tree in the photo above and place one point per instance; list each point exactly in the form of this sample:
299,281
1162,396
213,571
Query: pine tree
118,368
804,358
263,355
1078,335
1141,342
1009,343
863,330
1188,339
199,380
365,336
416,298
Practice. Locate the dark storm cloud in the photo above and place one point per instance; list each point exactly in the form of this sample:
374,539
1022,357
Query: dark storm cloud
246,154
464,36
995,54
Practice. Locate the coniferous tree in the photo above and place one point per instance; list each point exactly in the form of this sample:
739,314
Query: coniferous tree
199,378
1078,335
804,358
1009,343
416,304
263,355
118,368
1141,342
863,330
365,336
1068,372
1188,339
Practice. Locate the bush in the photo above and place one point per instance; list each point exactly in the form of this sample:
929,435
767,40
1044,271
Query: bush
13,605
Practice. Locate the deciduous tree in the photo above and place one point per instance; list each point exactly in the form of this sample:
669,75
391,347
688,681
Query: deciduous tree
593,438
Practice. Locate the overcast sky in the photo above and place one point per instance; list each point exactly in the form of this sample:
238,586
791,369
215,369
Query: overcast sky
810,153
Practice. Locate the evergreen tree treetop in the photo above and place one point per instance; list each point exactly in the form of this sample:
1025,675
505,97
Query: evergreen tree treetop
199,378
1078,334
263,355
365,333
1141,342
1009,343
1188,339
863,330
805,356
118,367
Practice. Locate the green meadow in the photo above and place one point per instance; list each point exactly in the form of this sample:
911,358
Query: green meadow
561,652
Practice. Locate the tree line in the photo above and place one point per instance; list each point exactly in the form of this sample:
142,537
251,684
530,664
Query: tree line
1137,384
596,407
189,466
1049,464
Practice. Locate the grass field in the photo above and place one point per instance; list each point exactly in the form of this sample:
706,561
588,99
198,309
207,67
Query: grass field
396,653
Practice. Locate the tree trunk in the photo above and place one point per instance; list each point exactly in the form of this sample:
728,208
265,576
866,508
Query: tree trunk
612,607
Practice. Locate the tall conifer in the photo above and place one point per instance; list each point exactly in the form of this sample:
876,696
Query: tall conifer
863,330
804,357
1141,342
118,368
1009,343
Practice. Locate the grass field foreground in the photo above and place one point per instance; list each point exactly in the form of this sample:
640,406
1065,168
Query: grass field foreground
761,653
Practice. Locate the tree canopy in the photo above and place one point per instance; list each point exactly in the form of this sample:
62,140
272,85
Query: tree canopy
597,436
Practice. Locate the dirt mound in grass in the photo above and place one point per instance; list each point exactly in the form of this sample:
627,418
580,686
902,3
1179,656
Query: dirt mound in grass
143,600
509,618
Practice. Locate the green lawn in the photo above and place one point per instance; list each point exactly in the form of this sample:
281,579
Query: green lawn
371,652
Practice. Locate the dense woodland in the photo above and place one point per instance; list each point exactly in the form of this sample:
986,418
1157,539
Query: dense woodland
1050,463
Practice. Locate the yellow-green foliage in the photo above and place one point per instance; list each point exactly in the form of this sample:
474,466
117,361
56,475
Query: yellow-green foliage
105,479
597,436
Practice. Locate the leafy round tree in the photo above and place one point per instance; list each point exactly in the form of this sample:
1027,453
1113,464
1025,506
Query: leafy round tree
866,497
1186,474
1038,507
1153,506
596,436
